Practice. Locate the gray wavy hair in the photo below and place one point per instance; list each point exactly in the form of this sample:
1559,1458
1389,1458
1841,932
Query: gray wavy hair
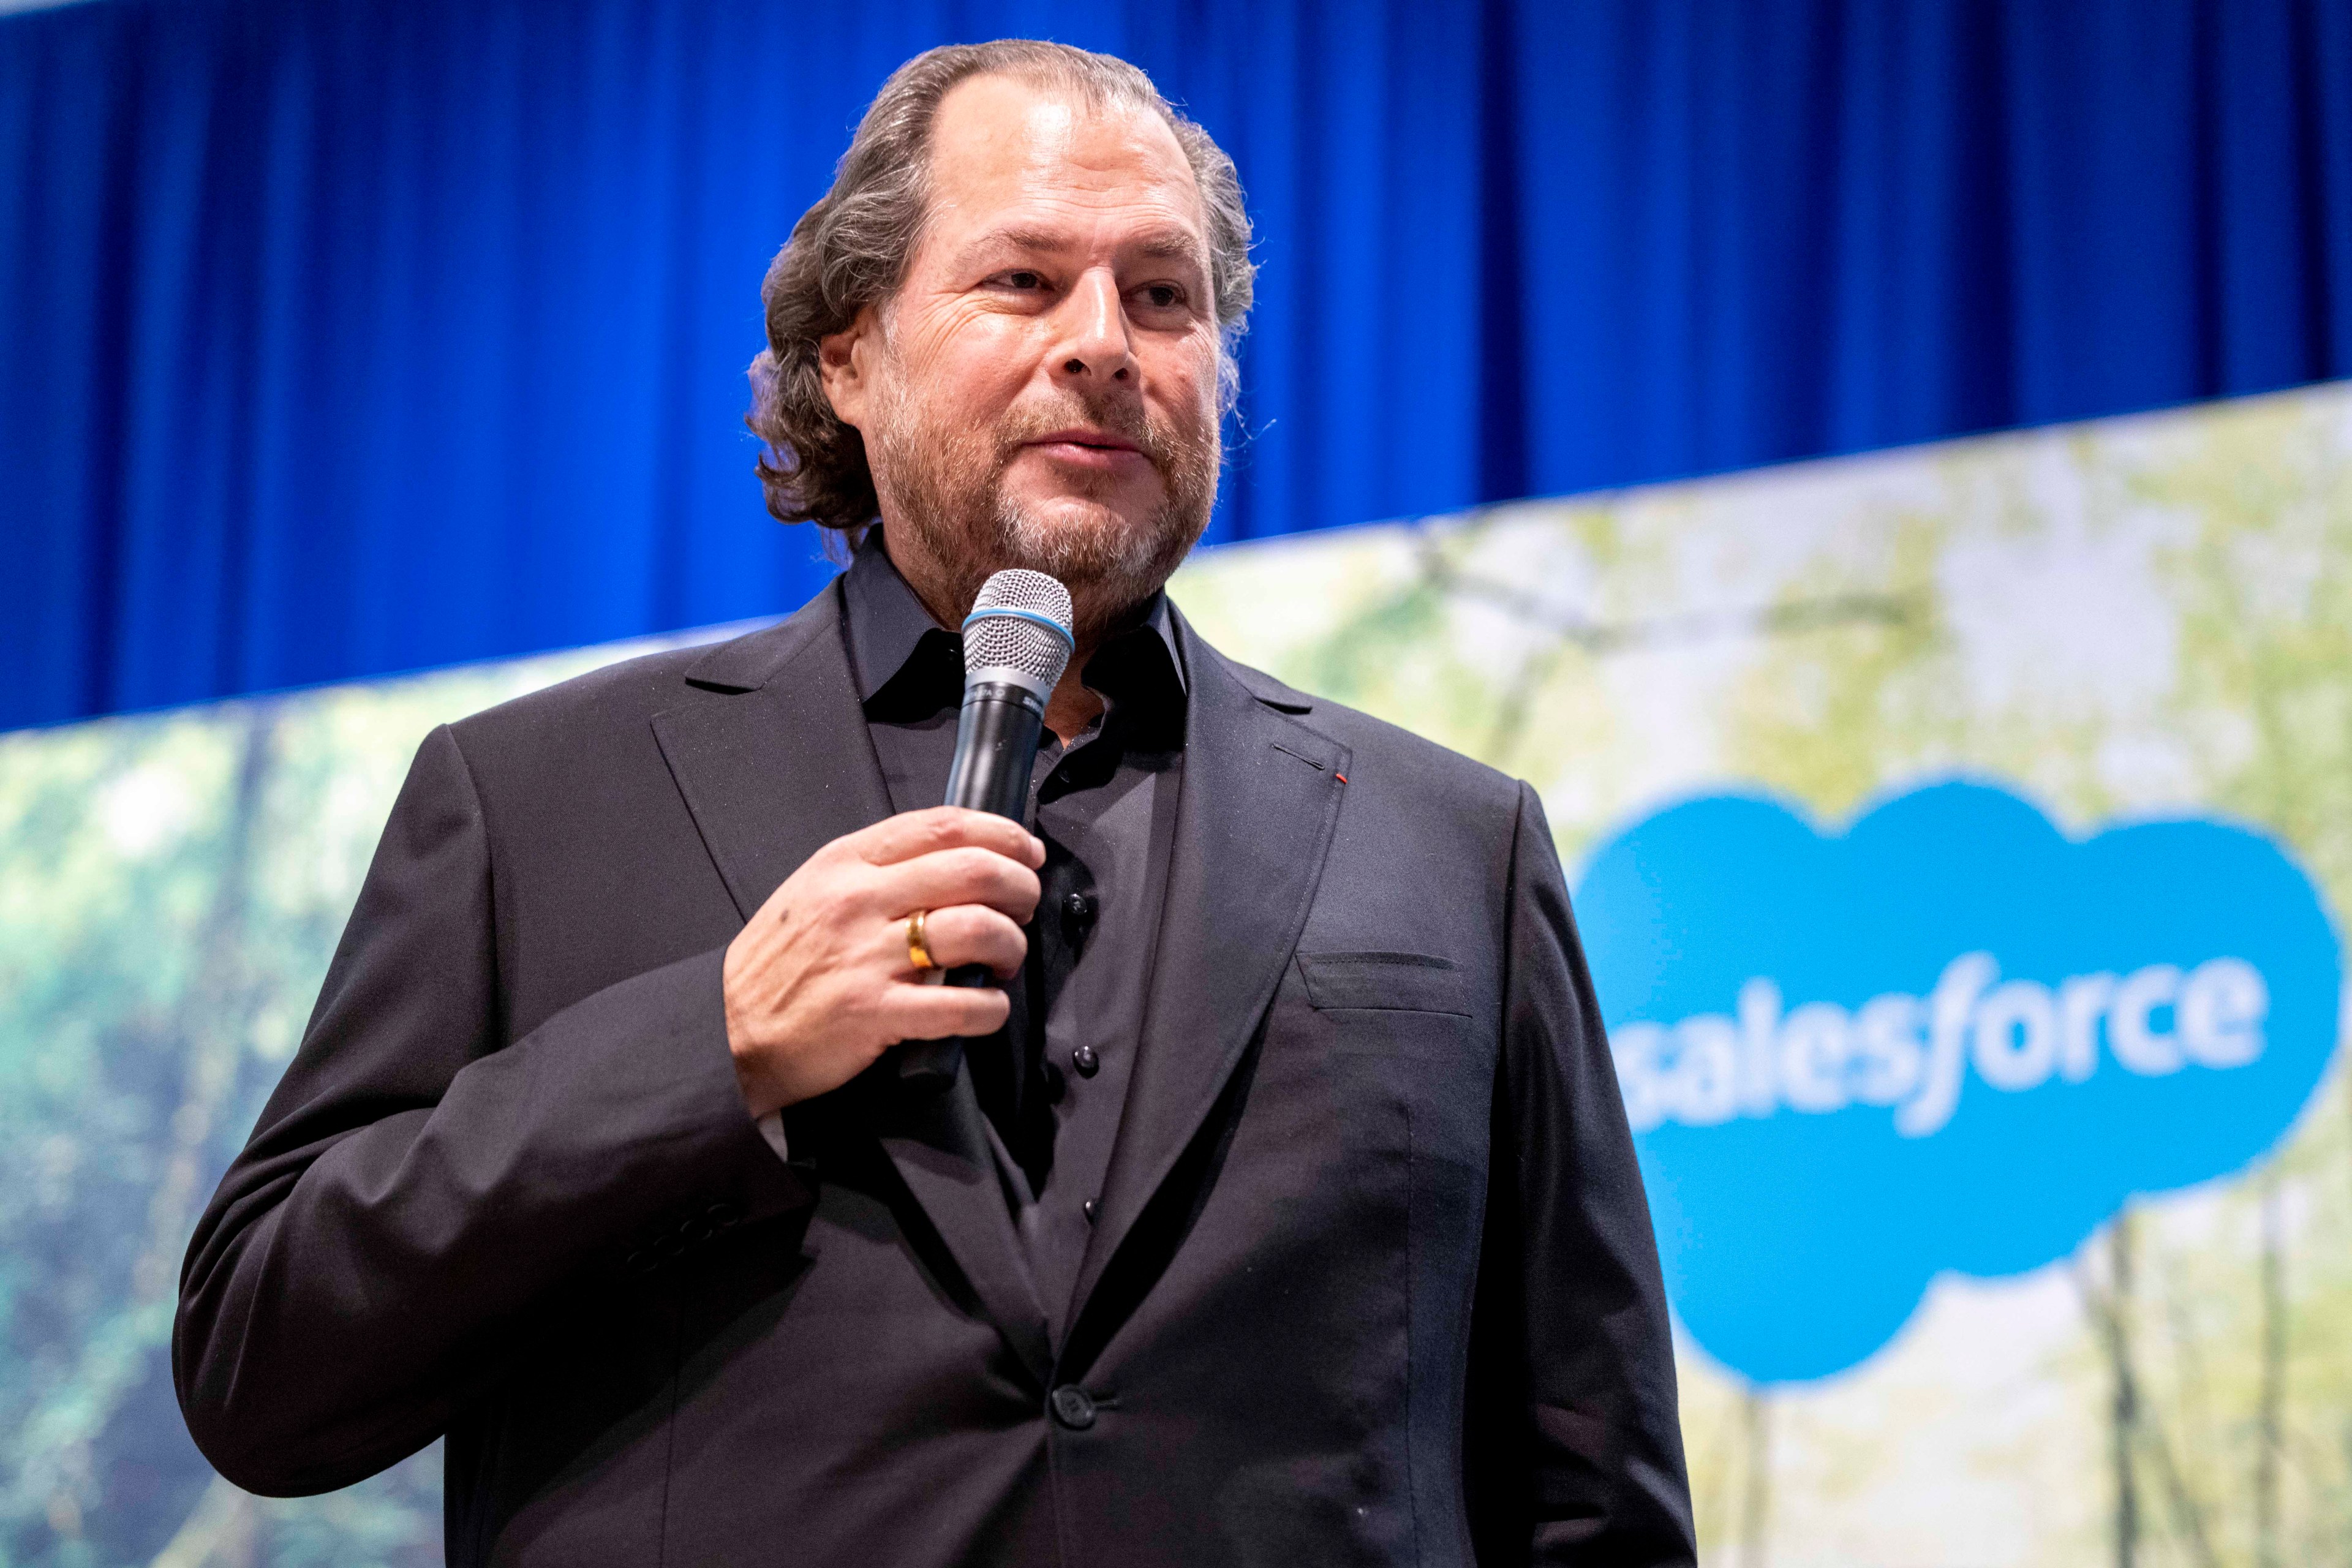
850,250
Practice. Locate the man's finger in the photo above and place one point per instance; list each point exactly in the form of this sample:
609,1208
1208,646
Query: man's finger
914,1011
959,934
969,875
915,832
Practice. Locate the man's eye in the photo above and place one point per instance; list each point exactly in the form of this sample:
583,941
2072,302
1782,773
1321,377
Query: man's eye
1162,296
1023,279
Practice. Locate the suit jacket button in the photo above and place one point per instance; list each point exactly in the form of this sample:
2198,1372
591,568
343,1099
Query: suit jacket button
1085,1059
1074,1407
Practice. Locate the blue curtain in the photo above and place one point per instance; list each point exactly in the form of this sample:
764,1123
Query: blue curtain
346,336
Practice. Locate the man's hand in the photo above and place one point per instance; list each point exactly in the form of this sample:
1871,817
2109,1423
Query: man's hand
819,984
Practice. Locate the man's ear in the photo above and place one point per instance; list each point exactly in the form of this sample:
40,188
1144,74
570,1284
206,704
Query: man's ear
845,361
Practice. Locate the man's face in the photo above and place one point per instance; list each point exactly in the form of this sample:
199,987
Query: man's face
1042,391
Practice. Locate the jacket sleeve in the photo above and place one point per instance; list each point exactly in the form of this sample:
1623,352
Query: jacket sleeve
416,1184
1575,1446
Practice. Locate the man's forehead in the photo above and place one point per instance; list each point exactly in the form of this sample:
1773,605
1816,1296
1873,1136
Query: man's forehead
998,141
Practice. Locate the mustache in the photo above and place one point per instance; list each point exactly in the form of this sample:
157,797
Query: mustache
1119,417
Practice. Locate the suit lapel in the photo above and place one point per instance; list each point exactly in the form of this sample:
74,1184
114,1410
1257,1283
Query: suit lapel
784,765
1260,793
779,768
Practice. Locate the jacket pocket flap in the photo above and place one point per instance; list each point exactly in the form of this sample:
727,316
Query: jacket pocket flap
1403,982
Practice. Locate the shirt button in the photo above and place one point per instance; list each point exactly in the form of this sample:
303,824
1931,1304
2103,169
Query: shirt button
1077,913
1086,1062
1091,1208
1074,1407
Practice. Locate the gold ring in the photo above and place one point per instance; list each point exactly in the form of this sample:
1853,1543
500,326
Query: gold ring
918,953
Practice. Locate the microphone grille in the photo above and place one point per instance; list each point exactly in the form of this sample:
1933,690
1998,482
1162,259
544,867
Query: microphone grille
1000,633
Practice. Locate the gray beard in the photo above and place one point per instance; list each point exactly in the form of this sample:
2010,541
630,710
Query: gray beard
948,492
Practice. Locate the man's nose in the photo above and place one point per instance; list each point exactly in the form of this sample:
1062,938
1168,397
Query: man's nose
1094,344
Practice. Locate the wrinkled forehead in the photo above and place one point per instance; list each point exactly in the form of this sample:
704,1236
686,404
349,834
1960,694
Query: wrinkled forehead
1006,150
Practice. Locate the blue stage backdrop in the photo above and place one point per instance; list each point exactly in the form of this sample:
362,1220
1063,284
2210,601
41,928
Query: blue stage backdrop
347,336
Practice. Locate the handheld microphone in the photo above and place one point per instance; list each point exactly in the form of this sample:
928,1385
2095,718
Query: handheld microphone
1016,642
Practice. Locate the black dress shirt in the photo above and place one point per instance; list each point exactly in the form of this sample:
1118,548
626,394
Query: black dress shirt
1052,1082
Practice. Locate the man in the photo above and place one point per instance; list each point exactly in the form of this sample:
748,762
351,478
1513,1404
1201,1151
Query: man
1285,1210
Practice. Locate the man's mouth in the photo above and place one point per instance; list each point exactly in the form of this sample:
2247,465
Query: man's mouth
1089,448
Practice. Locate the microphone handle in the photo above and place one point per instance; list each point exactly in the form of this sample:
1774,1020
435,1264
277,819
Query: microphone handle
996,749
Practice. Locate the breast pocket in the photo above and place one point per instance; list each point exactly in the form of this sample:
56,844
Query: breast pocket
1397,1027
1383,982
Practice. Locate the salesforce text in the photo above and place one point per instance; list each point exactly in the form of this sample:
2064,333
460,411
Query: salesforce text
1910,1053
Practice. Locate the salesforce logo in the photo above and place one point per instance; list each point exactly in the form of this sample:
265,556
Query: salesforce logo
1950,1039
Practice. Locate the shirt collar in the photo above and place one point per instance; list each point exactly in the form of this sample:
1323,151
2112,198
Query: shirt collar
907,666
890,632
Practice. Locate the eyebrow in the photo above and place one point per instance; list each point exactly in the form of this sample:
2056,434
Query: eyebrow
1159,245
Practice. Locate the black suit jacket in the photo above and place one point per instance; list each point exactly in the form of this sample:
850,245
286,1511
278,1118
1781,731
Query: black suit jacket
1373,1280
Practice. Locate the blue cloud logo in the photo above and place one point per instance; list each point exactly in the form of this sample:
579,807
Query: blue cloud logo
1950,1039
